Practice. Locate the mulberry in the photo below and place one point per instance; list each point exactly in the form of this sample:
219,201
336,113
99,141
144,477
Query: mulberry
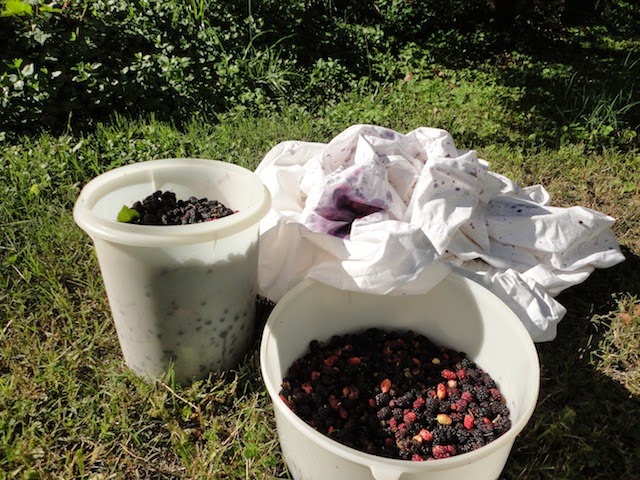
431,407
443,451
382,399
501,425
481,393
444,435
384,413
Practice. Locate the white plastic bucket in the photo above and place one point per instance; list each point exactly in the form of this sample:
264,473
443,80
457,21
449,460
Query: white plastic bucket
456,313
183,294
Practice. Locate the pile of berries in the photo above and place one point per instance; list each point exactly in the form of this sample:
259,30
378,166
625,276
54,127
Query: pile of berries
395,395
162,208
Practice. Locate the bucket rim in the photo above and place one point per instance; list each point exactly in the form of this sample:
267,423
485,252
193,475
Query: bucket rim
99,227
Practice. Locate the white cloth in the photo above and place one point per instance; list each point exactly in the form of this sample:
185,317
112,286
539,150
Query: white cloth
387,213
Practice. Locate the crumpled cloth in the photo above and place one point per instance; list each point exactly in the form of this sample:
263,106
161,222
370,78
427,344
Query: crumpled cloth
378,211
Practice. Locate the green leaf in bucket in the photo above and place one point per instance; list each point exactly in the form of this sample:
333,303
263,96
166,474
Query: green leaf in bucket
127,215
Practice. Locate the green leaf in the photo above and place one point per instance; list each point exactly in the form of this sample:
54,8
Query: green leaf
50,9
606,130
127,215
27,70
34,190
629,187
10,260
16,7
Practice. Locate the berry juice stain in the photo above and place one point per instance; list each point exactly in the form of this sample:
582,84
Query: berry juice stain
346,205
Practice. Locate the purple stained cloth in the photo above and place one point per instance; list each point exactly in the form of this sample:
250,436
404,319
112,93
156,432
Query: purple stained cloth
345,206
380,211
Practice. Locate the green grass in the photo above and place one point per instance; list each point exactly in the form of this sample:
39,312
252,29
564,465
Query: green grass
69,408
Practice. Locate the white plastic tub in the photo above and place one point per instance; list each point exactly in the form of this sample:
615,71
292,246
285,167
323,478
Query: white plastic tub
457,313
181,294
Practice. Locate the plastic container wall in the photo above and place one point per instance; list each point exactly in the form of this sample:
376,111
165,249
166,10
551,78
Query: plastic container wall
181,295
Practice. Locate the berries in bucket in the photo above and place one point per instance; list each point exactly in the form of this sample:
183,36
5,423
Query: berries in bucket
162,208
396,395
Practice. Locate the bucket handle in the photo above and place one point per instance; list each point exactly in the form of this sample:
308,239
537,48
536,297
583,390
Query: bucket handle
381,472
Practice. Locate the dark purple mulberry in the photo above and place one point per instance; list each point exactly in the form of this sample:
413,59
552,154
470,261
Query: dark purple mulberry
488,381
162,208
397,413
501,425
481,393
431,407
498,408
382,399
384,413
444,435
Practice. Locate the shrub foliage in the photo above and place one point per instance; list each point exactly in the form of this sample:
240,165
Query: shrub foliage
74,63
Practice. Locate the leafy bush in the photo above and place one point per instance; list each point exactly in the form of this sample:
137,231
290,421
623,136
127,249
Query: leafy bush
95,58
76,63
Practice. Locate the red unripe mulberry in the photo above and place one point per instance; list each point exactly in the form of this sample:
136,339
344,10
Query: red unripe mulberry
410,417
448,374
443,451
469,421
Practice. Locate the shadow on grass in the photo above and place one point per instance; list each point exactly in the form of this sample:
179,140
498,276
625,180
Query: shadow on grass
579,93
586,425
578,82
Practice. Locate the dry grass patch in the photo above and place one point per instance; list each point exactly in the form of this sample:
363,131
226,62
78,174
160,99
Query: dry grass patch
618,351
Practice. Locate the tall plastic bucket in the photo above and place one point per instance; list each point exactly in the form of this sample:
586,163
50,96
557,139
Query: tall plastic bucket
180,295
